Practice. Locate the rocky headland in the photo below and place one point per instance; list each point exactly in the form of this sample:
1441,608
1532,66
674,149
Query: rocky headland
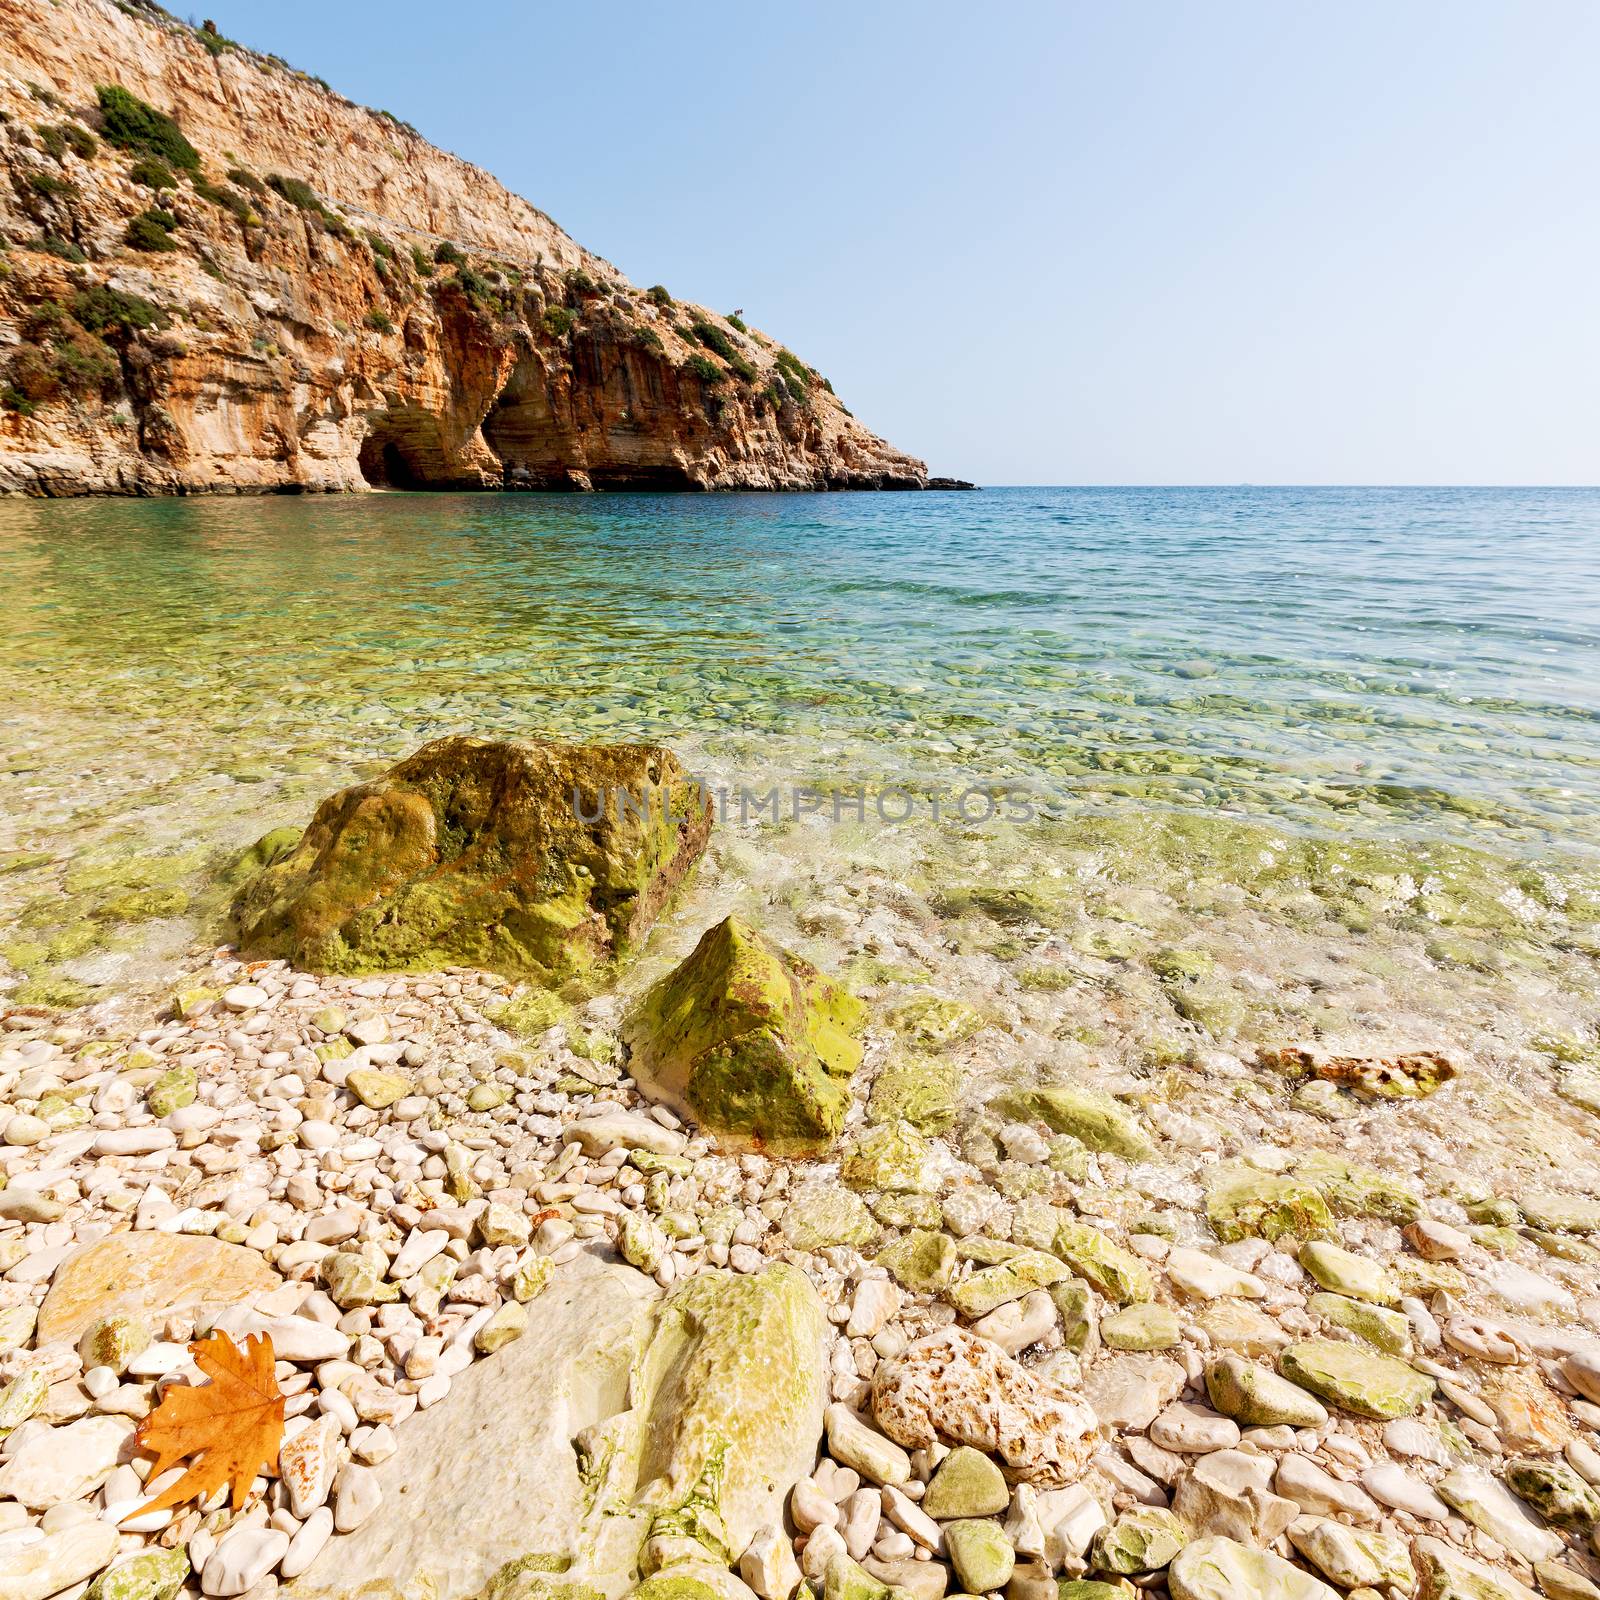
591,1270
219,275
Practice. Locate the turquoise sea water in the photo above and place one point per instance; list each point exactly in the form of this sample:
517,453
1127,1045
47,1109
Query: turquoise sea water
1409,668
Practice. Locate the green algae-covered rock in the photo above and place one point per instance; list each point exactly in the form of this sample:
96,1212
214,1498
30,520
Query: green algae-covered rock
173,1090
1357,1380
1259,1398
1090,1589
752,1041
149,1575
921,1260
267,851
113,1342
1224,1569
821,1212
1344,1272
735,1376
1075,1306
1117,1273
1353,1190
1138,1541
891,1156
375,1088
1561,1213
535,860
919,1089
966,1484
21,1397
1093,1118
1018,1274
980,1553
931,1021
1243,1203
1447,1574
1354,1557
1388,1331
1556,1492
1141,1327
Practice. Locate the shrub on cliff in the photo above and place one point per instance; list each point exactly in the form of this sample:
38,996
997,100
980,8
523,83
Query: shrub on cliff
152,230
419,259
736,321
247,180
53,244
52,187
713,338
102,309
152,174
704,368
230,200
53,140
379,322
447,255
659,295
301,195
558,321
61,358
127,121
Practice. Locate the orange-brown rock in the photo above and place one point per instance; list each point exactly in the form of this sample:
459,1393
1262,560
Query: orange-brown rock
378,313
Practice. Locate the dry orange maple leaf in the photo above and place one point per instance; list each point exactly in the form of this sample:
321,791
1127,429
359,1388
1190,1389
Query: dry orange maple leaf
232,1426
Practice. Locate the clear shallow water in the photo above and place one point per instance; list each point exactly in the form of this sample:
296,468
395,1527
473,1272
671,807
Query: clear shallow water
1399,666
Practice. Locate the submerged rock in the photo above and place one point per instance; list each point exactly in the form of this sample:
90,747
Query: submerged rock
752,1041
1405,1075
1093,1118
1242,1203
530,859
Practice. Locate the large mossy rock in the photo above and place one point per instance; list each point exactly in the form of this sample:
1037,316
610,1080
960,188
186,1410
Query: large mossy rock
751,1041
622,1437
736,1381
534,860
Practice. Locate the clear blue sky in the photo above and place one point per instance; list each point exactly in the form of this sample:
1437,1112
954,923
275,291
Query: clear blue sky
1202,241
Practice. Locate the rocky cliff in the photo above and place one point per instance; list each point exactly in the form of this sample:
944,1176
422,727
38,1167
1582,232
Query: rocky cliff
219,275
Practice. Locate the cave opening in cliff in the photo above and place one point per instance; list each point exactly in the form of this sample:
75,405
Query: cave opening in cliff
402,450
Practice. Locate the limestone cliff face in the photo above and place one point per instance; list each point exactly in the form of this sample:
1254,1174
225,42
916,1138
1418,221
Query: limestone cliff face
289,291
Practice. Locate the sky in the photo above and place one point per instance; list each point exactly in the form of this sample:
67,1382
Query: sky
1182,241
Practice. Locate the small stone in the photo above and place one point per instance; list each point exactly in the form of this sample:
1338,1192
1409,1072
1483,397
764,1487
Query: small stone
768,1565
981,1555
507,1324
1127,1392
1346,1273
1259,1398
355,1280
149,1575
306,1464
172,1091
956,1386
1193,1430
1388,1331
245,997
1446,1574
965,1484
921,1261
1203,1277
65,1463
21,1397
1144,1327
113,1342
356,1494
852,1443
1140,1541
1319,1493
1226,1494
376,1089
1487,1505
242,1558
